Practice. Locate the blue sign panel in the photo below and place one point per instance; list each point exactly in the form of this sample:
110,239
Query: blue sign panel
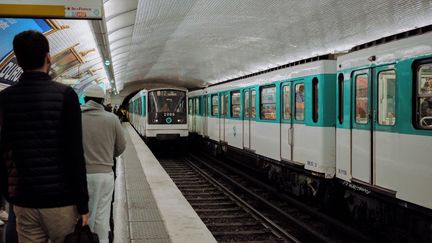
9,27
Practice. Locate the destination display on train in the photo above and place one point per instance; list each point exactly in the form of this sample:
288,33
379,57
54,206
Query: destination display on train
75,9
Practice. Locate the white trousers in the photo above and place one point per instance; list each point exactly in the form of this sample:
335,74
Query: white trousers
100,189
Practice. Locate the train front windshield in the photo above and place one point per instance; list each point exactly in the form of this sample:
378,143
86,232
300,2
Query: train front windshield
167,107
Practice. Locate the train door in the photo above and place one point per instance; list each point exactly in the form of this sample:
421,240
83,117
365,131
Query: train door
144,114
224,114
361,133
214,121
190,116
205,114
252,123
373,107
286,122
246,118
195,114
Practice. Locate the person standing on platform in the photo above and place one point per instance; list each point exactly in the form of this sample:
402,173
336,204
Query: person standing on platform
103,140
42,167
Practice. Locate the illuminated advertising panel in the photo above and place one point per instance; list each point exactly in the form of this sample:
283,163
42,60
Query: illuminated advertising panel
9,69
76,9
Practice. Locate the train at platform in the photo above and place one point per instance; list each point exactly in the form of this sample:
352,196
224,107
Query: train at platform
355,128
160,114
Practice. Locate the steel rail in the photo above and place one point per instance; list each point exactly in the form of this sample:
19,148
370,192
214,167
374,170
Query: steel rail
294,201
282,212
278,231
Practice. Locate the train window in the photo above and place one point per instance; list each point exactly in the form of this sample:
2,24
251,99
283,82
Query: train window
190,106
315,103
136,106
168,101
268,103
215,105
144,110
387,97
361,98
205,105
196,108
246,105
224,105
201,104
341,97
299,102
139,106
235,104
286,102
253,104
133,106
424,96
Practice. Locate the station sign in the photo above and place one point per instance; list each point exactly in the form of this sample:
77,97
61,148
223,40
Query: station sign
73,9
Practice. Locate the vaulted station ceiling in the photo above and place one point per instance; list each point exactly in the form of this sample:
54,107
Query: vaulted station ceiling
193,43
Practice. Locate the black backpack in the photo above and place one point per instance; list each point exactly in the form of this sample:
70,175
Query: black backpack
82,234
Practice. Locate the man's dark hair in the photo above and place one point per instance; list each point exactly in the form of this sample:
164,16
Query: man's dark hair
95,99
30,49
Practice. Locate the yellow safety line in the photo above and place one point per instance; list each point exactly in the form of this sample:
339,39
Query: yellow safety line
20,10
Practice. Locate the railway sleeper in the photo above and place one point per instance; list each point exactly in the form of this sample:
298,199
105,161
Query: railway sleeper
243,232
192,187
199,194
214,224
226,216
201,198
211,204
218,210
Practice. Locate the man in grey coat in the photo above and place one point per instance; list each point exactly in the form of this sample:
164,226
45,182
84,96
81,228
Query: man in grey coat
103,139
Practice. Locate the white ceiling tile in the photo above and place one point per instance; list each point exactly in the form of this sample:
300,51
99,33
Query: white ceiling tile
120,43
214,40
121,21
121,33
117,7
120,50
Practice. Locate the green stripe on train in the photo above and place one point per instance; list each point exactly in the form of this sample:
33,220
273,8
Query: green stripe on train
405,109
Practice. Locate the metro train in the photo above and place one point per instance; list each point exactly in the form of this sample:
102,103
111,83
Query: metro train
358,126
159,113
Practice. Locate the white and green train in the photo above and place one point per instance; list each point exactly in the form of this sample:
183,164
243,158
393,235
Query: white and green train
159,113
361,122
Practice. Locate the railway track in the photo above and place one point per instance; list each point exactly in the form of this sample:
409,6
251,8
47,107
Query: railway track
238,207
305,222
226,215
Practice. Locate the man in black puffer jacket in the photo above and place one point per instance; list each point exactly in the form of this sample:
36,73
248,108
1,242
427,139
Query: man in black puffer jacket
41,153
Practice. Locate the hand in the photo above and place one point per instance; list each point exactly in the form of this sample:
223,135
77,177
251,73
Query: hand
85,219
